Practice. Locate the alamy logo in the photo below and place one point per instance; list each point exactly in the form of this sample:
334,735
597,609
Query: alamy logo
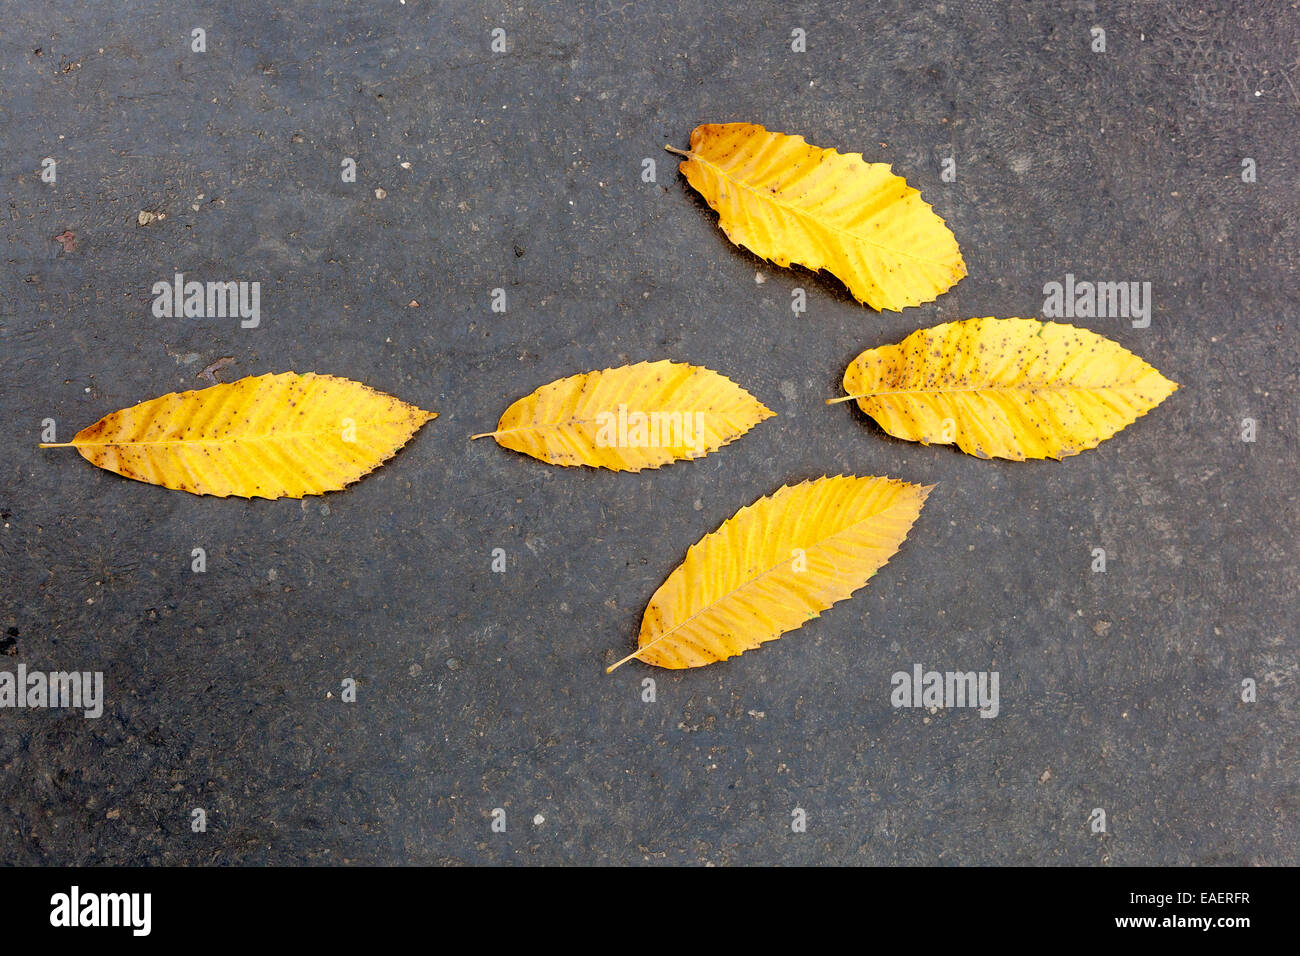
180,299
1100,300
75,908
79,690
624,429
948,689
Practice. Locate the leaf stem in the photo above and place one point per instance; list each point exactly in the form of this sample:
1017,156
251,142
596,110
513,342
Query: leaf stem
610,669
60,444
843,398
680,152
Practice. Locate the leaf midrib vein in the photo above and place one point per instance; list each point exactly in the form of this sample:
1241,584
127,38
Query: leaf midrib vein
591,421
795,210
744,584
997,388
231,439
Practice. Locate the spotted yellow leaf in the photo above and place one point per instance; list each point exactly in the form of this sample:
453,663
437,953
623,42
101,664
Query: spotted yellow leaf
774,565
266,436
788,201
628,418
1005,388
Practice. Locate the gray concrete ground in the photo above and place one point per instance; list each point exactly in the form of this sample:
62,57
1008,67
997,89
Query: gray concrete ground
1119,690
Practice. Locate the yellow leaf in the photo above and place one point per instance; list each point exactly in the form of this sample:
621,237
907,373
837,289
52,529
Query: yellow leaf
1005,388
266,436
629,418
787,201
774,565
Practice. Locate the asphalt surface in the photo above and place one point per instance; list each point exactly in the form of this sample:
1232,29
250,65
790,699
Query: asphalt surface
478,690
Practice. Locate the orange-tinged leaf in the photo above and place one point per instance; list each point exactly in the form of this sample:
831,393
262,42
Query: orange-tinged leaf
266,436
788,201
1005,388
774,565
628,418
